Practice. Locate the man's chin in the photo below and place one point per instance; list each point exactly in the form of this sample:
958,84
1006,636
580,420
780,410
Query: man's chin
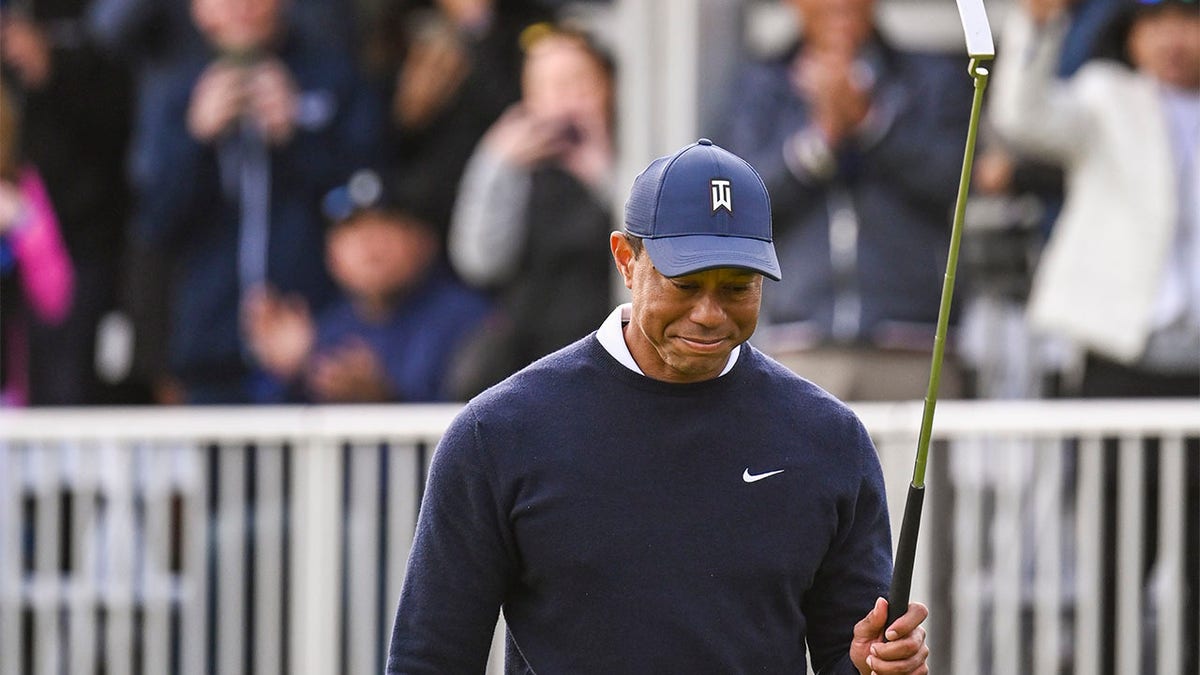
695,368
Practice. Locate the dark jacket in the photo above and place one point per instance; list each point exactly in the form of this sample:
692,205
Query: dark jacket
417,342
187,214
561,290
880,268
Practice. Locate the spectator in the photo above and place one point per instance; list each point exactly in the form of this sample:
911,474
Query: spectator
1120,276
1128,137
458,70
36,276
392,335
534,203
76,108
242,144
1014,204
998,170
860,145
153,37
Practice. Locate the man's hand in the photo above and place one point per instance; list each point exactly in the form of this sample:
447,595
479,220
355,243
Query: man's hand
904,652
435,68
351,373
216,101
272,95
993,173
279,331
833,83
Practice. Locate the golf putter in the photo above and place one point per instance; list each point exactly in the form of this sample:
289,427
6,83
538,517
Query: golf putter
979,49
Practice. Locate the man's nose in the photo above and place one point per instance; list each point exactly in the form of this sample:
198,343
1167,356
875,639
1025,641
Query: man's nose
708,310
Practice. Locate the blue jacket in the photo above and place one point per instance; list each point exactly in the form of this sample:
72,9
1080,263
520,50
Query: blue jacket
185,212
893,189
417,342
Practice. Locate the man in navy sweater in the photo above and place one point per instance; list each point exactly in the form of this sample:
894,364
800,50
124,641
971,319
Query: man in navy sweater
660,497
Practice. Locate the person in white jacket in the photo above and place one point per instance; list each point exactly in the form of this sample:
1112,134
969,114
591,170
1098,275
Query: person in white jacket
1120,275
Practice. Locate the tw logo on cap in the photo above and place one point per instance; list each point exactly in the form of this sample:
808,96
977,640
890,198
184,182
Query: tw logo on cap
722,195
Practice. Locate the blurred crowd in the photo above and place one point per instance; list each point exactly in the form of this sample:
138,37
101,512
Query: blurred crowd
277,201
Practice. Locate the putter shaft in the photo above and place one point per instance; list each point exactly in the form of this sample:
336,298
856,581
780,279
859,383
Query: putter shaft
906,546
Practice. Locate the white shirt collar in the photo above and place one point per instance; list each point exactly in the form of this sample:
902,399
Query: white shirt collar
611,335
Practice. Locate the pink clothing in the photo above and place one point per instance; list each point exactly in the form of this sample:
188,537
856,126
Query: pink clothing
47,280
42,260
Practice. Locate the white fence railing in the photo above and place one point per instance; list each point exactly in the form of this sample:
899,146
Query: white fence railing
274,540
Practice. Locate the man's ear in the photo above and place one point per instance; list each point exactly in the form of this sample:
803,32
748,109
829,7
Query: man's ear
623,256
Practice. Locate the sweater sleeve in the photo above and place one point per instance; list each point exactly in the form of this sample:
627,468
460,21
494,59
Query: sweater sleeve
1030,107
488,228
856,569
460,566
47,276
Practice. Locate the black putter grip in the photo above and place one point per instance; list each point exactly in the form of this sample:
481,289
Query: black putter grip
906,551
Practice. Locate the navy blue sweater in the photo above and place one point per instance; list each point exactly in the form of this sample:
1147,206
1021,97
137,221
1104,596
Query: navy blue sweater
610,515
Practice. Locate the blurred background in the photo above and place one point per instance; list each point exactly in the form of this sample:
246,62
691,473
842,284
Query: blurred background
255,254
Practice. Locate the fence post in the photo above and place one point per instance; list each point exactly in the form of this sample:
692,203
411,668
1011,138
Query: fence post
315,552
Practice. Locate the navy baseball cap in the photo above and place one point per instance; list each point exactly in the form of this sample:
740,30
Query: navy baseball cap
702,208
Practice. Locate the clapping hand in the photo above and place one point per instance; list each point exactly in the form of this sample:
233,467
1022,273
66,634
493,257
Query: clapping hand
350,373
217,101
434,70
834,84
271,99
279,331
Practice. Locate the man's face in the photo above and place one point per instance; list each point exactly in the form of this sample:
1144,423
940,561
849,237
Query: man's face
682,329
842,25
238,26
1165,44
378,254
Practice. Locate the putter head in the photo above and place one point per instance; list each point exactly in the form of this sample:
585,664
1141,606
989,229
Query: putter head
976,28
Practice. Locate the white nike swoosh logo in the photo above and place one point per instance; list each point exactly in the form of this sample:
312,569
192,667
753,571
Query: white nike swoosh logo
750,477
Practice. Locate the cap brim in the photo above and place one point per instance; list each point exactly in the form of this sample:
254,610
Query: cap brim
688,254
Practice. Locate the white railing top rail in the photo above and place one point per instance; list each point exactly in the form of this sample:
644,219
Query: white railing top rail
423,421
225,424
1036,417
